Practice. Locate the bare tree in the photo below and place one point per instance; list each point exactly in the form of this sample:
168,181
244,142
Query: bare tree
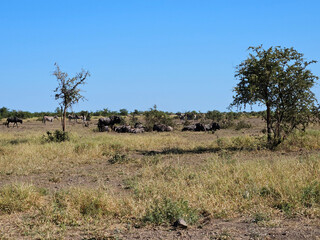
68,93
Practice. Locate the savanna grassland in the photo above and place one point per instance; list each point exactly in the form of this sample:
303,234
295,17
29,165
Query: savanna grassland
225,185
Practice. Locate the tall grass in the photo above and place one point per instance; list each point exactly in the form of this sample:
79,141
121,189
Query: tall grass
173,175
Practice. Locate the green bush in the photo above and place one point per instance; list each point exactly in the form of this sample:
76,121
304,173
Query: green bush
57,136
155,116
242,124
311,194
167,211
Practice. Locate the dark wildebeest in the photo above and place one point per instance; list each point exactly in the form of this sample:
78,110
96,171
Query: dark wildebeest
108,121
200,127
70,117
215,126
162,128
212,127
123,129
13,120
128,129
49,118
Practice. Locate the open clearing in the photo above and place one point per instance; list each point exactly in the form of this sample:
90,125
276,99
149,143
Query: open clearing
134,186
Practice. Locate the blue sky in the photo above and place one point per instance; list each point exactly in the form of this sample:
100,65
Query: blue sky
177,54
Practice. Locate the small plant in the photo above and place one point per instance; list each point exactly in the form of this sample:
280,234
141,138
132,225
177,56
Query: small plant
270,192
118,158
167,211
284,207
57,136
311,194
259,217
242,124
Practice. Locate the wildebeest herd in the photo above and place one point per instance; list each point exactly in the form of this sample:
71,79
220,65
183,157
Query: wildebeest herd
108,123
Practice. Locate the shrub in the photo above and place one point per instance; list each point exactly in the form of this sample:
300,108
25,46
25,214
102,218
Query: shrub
167,211
214,115
155,116
311,194
226,124
242,124
57,136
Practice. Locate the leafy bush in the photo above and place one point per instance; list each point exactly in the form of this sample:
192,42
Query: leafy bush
242,124
57,136
214,115
311,194
155,116
226,124
168,211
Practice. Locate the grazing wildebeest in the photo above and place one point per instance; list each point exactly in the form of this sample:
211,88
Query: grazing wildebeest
215,126
162,128
137,130
189,128
123,129
14,120
70,117
129,129
198,127
138,125
49,118
108,121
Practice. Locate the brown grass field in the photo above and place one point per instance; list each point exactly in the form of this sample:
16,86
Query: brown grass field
225,185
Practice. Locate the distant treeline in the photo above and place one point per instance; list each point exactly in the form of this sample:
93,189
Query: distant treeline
213,115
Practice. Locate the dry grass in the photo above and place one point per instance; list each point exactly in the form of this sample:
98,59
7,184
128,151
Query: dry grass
156,178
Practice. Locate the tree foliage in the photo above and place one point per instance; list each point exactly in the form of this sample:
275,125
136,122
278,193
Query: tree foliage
154,116
279,79
68,92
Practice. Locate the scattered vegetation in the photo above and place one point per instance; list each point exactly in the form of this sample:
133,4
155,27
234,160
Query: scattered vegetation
56,136
153,179
242,125
154,116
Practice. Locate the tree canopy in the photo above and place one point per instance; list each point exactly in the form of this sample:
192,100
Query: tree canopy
279,79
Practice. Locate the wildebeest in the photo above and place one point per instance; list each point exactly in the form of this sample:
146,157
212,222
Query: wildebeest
198,127
189,128
215,126
70,117
137,130
48,118
13,120
129,129
108,121
123,129
162,128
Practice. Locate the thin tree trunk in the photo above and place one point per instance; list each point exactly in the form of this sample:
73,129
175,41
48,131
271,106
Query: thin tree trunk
64,120
269,122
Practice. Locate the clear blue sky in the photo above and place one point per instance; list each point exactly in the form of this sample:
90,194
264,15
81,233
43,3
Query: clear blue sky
178,54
